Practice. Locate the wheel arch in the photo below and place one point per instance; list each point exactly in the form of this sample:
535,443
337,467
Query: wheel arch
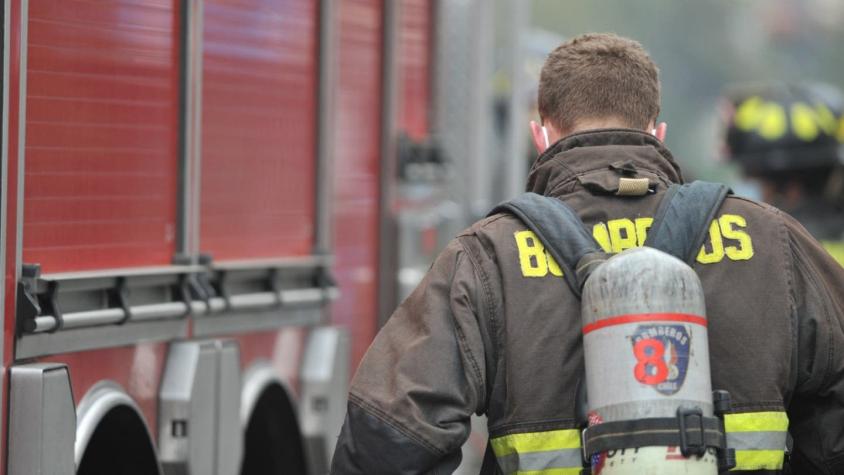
95,410
259,377
264,391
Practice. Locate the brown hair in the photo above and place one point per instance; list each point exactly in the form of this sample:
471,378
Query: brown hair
599,76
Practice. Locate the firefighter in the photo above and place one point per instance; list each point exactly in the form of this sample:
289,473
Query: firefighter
493,329
787,139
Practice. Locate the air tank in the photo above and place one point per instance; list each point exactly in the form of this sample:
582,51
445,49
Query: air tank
647,354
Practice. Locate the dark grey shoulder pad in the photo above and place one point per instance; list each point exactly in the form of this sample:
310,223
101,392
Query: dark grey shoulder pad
681,223
558,227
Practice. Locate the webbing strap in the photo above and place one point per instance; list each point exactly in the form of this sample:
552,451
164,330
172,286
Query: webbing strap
558,227
683,218
662,431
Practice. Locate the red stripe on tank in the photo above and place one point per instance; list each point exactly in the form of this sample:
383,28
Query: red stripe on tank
644,317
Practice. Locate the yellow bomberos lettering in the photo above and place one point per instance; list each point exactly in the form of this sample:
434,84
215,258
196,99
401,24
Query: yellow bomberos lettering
534,260
531,254
602,236
617,235
553,267
726,237
715,253
622,234
730,225
642,226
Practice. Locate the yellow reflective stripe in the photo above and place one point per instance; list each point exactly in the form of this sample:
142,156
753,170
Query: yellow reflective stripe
551,471
536,442
759,460
756,422
770,428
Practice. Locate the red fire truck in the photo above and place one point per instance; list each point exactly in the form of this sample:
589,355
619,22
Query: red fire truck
196,201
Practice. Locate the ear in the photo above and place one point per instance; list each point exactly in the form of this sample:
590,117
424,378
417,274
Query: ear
661,130
538,137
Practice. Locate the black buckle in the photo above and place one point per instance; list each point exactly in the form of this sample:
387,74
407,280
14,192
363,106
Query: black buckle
690,420
722,404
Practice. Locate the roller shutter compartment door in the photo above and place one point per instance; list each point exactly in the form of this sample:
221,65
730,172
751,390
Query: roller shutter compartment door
259,104
101,134
415,67
356,169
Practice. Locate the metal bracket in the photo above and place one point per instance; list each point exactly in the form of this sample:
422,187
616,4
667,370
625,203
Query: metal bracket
55,302
52,300
28,306
722,404
119,297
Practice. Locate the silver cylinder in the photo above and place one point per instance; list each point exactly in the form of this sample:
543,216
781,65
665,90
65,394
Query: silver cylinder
647,354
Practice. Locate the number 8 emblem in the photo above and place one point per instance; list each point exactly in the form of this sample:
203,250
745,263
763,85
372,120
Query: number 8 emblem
651,368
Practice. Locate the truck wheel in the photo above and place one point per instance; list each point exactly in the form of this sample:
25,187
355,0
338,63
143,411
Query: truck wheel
273,444
119,446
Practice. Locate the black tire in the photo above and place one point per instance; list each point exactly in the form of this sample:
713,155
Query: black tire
119,446
273,445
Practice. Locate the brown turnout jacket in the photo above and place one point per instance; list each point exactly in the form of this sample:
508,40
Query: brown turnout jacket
493,329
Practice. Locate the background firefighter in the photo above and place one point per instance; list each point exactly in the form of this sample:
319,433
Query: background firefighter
787,138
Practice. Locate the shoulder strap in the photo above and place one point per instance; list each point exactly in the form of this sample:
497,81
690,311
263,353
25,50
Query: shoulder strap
558,227
683,218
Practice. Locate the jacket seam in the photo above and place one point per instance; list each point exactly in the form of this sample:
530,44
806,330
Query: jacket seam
493,322
794,375
830,349
463,344
757,406
382,416
812,277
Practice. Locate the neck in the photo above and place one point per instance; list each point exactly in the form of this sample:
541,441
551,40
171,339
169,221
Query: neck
599,123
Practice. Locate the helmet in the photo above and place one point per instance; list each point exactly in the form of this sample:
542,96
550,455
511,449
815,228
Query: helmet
776,128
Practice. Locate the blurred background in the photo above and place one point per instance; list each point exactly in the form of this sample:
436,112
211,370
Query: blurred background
702,47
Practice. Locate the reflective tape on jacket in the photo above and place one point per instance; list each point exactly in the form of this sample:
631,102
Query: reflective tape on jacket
555,452
759,439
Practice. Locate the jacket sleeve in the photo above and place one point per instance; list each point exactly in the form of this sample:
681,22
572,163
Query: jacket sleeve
816,411
420,381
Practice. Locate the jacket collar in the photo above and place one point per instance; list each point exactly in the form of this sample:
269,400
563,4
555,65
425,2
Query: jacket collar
599,149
